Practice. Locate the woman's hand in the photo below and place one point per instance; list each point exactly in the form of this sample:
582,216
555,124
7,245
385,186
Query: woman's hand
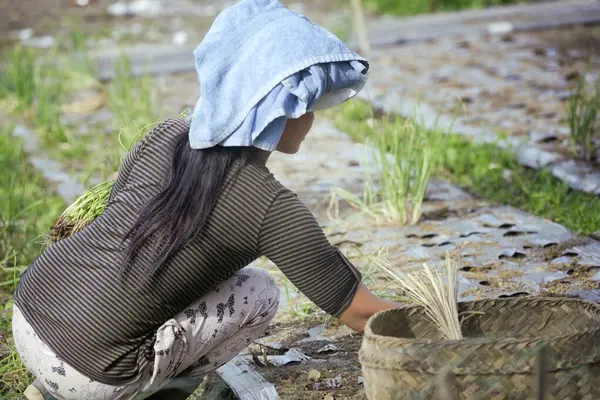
364,305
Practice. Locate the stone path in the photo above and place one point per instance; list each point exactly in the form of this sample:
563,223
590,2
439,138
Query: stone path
516,18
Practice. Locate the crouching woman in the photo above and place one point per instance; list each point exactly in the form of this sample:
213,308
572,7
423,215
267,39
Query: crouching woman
156,292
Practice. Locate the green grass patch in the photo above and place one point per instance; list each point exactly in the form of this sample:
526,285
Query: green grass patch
35,84
413,7
42,88
405,155
482,170
14,377
28,208
133,106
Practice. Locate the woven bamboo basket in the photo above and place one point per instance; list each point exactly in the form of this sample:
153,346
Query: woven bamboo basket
403,355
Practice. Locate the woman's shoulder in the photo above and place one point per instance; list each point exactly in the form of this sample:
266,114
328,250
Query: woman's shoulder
261,177
256,181
169,129
162,139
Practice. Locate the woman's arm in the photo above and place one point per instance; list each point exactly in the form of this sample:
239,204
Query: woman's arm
364,305
292,238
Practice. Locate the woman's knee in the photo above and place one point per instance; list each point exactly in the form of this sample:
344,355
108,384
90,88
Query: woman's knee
263,289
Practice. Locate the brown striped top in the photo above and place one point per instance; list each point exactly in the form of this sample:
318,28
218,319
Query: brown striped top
76,301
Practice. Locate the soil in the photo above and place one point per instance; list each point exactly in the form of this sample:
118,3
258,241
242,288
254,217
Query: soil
340,370
22,14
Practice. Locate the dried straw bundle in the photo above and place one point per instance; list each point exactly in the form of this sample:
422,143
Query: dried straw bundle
435,291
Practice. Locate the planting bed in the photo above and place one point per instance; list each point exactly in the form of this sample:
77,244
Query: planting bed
511,88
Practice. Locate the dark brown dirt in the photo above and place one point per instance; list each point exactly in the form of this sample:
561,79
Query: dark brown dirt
583,39
339,370
547,254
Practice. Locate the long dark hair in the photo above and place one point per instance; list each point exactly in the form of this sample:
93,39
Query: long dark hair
169,220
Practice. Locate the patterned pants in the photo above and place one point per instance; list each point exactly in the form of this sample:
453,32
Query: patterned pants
202,338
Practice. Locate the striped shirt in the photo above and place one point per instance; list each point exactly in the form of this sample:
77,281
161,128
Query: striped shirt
75,299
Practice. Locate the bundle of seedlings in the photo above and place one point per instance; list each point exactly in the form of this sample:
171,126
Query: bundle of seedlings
403,153
89,206
435,291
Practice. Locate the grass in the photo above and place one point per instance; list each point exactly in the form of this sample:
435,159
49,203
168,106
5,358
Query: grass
50,92
133,107
40,87
480,169
27,207
582,112
36,84
405,155
413,7
18,76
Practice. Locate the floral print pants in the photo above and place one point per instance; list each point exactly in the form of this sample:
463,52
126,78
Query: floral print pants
200,339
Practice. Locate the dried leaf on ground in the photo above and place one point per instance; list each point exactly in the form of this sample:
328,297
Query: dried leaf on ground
314,374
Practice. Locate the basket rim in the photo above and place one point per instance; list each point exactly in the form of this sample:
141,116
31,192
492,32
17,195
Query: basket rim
370,335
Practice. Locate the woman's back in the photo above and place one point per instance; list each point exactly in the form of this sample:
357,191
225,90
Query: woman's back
77,282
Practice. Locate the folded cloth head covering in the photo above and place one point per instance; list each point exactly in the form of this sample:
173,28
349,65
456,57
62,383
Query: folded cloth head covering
261,64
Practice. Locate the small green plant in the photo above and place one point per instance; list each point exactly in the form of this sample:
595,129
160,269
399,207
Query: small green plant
403,178
480,169
47,106
78,51
17,77
582,113
17,87
86,208
36,85
298,306
14,377
405,154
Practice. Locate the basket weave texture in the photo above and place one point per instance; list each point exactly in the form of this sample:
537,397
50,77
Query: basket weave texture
404,356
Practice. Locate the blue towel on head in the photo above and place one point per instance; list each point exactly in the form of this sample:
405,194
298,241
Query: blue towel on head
261,64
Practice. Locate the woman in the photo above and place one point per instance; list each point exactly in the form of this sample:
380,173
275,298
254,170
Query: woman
155,293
